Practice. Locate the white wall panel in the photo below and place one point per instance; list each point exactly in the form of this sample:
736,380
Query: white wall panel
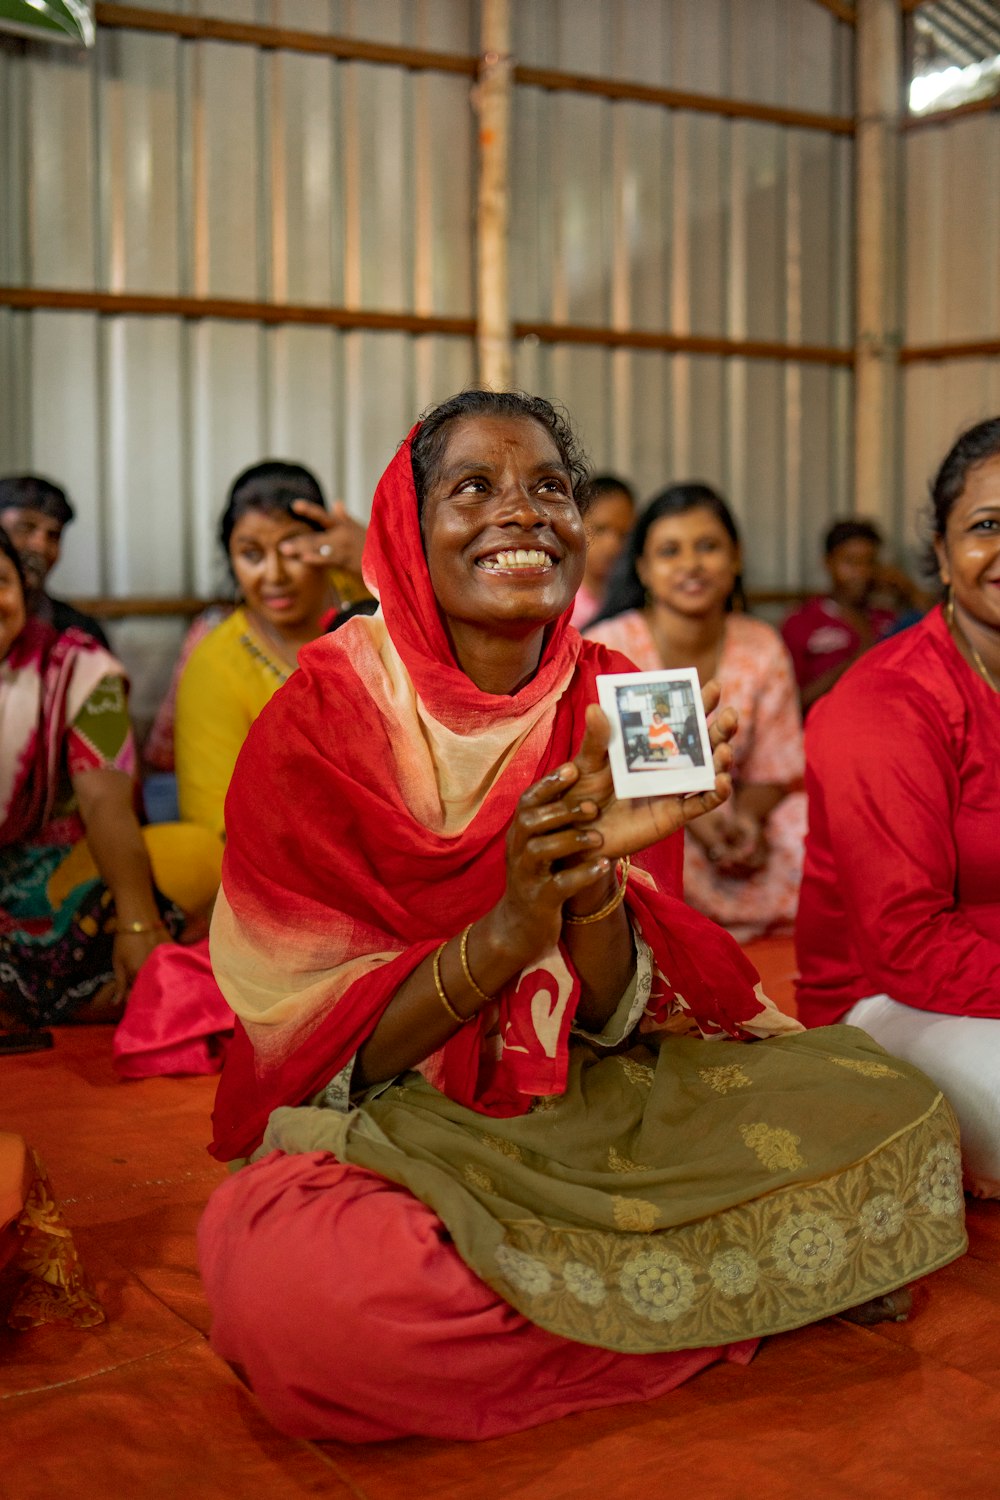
145,514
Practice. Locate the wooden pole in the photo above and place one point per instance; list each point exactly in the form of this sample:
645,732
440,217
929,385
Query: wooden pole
877,262
492,102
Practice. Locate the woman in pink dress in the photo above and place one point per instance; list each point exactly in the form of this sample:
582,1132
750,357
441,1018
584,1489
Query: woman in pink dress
672,605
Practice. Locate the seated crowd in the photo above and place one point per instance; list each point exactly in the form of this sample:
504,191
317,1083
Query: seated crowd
451,979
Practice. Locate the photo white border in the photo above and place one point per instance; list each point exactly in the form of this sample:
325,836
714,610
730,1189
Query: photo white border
667,782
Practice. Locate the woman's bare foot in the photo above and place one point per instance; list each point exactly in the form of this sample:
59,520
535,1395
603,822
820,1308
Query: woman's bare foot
894,1307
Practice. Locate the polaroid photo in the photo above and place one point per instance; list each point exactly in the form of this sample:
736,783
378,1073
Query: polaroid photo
659,736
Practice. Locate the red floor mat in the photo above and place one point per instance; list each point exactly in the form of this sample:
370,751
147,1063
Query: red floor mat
141,1409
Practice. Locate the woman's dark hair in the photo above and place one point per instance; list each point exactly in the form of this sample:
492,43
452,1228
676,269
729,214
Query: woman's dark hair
33,492
850,531
974,447
11,553
271,486
427,452
611,484
624,588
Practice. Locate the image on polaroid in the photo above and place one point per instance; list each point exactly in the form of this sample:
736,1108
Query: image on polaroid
659,736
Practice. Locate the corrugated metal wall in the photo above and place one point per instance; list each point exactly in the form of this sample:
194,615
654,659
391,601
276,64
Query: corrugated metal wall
952,291
212,169
633,216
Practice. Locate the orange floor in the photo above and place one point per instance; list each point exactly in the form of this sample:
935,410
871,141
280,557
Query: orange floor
142,1410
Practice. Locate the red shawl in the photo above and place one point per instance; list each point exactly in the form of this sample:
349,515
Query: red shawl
366,822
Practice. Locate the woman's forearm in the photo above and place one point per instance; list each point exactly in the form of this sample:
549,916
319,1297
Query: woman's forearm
115,841
416,1022
603,955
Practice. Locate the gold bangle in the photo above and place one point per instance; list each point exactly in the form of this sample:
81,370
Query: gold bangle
464,953
624,865
135,928
439,986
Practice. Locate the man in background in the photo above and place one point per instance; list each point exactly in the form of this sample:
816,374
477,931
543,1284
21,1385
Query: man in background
33,512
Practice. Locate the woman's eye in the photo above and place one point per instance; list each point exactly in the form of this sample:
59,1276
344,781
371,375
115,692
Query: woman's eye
988,523
252,556
472,486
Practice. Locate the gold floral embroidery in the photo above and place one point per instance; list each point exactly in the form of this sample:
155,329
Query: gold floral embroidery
809,1248
869,1069
502,1147
477,1178
634,1213
723,1080
619,1163
544,1102
734,1272
939,1186
776,1149
657,1285
636,1072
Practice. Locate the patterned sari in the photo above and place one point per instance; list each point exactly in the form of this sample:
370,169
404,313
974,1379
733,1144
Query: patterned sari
63,710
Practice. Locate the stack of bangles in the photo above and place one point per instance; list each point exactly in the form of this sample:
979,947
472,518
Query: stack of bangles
624,865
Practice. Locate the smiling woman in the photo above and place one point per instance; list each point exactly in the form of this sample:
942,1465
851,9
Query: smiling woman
676,601
903,765
498,1174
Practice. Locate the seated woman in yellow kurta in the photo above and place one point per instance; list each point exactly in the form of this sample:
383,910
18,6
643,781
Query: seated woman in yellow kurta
271,531
278,538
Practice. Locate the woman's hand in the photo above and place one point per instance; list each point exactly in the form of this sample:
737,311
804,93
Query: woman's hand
553,853
626,826
339,544
130,951
734,840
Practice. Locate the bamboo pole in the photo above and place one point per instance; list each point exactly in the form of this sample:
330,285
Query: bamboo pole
492,101
878,338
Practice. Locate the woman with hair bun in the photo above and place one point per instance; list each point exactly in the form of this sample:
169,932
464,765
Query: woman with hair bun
899,922
671,604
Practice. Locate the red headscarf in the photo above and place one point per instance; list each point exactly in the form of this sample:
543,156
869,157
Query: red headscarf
347,864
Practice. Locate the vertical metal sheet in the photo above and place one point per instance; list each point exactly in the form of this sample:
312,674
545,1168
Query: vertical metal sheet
952,293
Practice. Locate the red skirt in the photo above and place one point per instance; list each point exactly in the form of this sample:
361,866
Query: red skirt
341,1300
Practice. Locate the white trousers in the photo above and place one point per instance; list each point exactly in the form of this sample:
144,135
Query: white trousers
961,1054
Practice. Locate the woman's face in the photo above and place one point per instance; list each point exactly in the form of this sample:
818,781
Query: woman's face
278,587
12,611
607,524
969,554
502,533
689,563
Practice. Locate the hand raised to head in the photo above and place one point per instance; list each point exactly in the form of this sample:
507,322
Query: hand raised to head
339,544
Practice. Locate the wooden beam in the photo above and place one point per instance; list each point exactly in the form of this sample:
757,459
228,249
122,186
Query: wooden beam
140,304
683,343
274,314
491,98
280,38
877,261
641,93
913,354
348,49
841,9
949,116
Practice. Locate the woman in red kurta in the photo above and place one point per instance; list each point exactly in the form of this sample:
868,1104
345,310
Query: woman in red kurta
500,1172
899,920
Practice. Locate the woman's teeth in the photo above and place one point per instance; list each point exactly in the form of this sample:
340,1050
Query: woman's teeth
519,557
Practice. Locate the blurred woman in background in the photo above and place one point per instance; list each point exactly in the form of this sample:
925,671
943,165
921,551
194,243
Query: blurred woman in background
671,604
